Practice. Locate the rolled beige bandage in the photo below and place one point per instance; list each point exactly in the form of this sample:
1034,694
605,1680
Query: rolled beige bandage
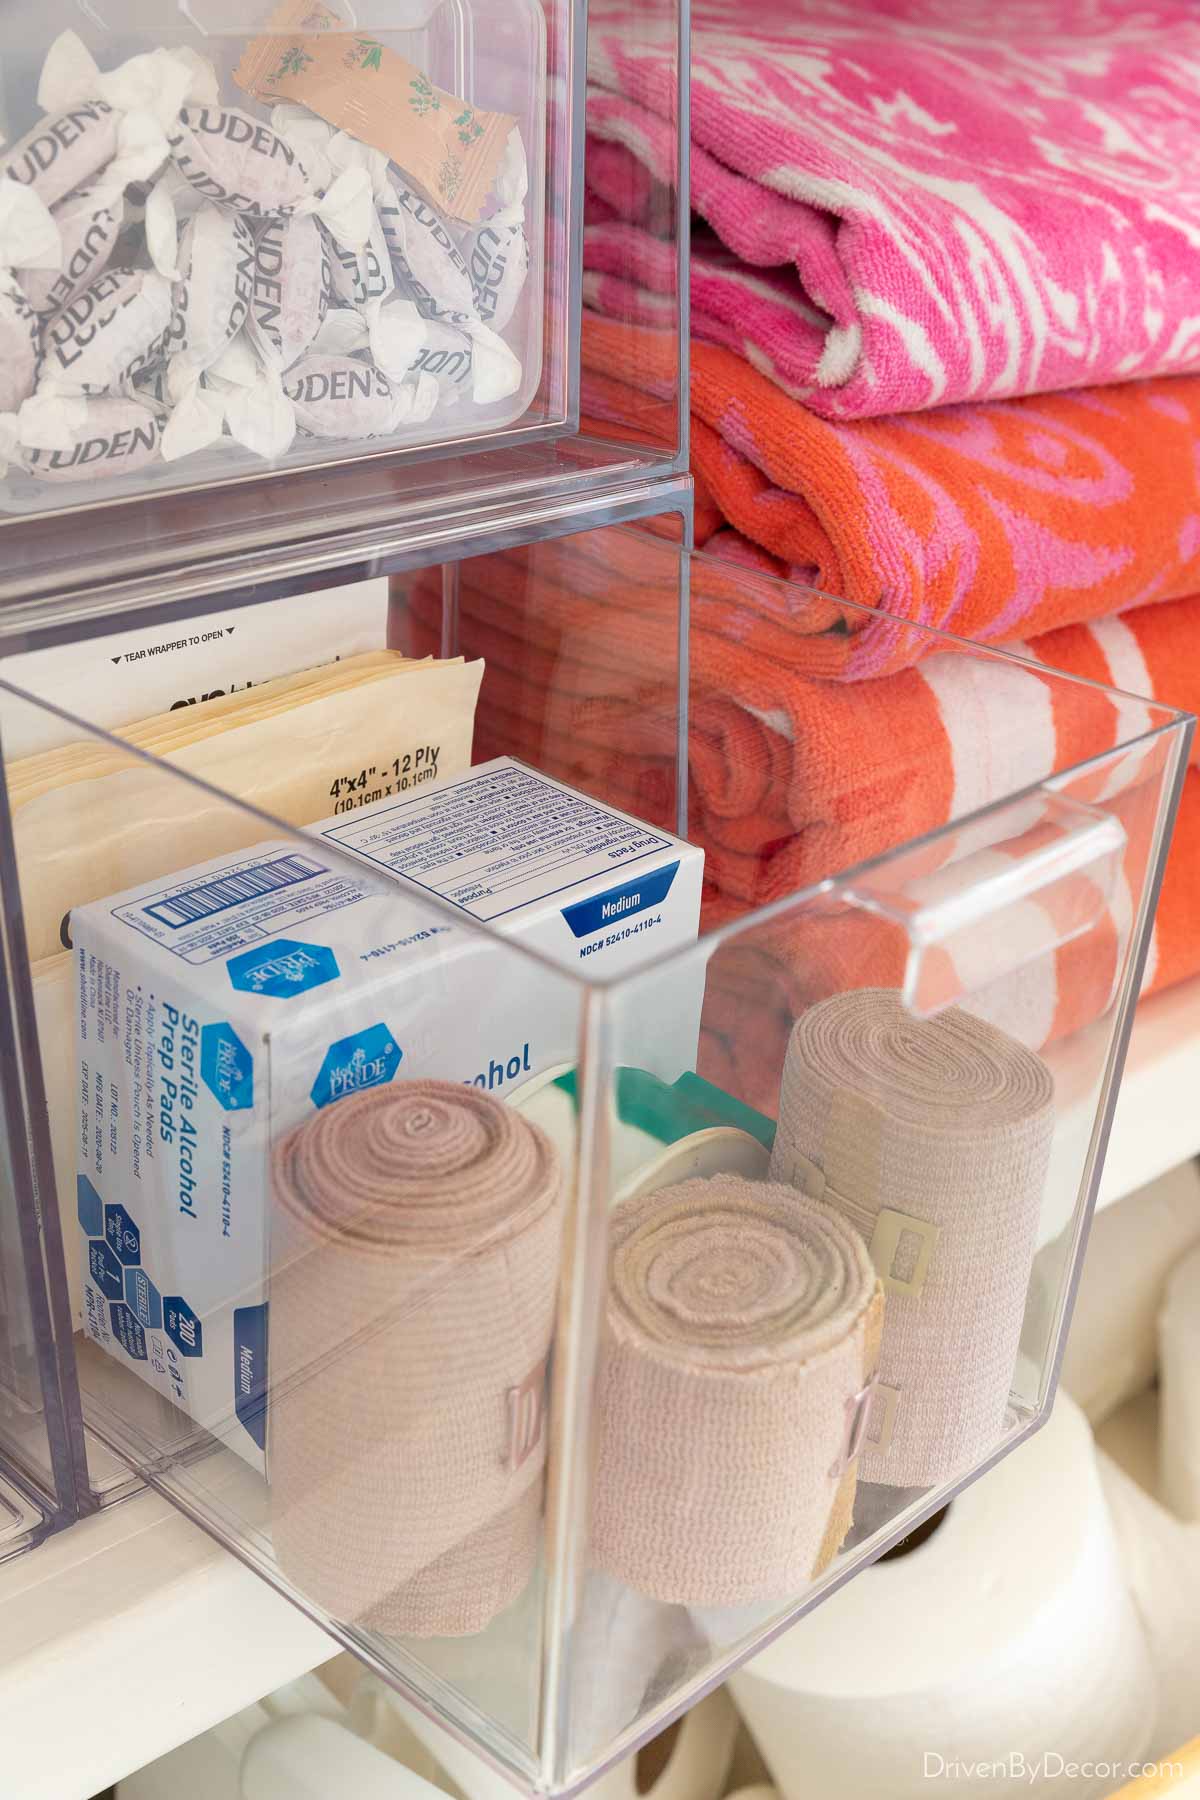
415,1247
742,1327
932,1138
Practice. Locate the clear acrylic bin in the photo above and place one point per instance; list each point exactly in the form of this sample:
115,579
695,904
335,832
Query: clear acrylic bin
222,369
558,1194
258,237
43,1469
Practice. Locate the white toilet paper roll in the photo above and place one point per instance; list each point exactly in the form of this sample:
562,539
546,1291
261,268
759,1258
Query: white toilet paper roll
1179,1381
1009,1632
1161,1561
1112,1349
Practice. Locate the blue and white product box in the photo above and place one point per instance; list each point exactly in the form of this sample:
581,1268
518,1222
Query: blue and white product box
217,1010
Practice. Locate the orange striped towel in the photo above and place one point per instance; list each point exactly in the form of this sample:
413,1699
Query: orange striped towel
794,774
993,521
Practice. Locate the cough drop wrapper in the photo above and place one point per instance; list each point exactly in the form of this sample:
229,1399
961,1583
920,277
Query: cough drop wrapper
115,327
89,222
340,397
60,438
191,413
211,299
293,278
30,241
358,277
428,263
115,121
463,361
238,162
19,346
496,252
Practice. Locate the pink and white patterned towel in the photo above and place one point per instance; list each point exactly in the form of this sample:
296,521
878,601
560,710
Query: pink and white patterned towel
914,202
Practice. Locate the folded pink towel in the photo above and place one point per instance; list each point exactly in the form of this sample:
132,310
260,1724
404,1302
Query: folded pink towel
414,1263
920,208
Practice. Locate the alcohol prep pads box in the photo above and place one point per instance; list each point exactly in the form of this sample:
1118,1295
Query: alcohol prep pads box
219,1009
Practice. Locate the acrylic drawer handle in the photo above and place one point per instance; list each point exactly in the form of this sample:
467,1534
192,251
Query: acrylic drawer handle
999,894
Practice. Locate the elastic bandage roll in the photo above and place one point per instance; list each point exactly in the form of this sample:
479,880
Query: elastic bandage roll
415,1259
742,1327
932,1138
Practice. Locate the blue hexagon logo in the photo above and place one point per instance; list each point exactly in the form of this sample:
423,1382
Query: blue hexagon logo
226,1067
106,1271
89,1206
182,1326
127,1331
283,968
367,1059
125,1240
143,1298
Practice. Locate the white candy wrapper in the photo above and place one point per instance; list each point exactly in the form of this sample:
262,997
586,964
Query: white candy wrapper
29,240
258,413
196,420
19,348
232,402
464,362
89,223
60,438
64,151
293,279
115,327
362,276
340,397
211,299
428,263
116,121
192,414
170,203
497,251
325,151
239,162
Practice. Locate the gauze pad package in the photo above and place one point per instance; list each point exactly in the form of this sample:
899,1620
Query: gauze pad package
219,1010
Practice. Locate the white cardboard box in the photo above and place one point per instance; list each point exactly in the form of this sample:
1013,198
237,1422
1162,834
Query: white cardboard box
219,1009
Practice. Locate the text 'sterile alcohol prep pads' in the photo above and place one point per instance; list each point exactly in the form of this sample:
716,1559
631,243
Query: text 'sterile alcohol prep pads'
217,1010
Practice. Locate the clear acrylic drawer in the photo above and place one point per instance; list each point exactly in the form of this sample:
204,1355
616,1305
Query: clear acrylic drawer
43,1470
271,271
552,1141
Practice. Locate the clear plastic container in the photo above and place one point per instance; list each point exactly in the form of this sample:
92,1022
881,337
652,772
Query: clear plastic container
43,1471
538,433
559,1190
288,235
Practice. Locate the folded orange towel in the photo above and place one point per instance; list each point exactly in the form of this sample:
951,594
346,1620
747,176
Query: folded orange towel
796,774
993,521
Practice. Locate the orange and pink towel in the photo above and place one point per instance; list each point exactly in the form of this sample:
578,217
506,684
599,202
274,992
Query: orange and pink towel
995,521
797,774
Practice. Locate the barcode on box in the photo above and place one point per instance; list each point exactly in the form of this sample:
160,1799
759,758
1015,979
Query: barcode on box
209,897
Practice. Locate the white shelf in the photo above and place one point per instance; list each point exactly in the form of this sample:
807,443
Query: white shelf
126,1636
